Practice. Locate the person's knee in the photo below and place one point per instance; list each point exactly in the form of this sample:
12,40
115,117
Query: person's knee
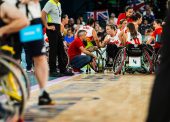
88,58
40,59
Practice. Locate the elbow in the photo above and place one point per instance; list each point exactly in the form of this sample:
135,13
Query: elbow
25,22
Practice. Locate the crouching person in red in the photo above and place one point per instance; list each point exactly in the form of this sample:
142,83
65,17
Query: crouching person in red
75,51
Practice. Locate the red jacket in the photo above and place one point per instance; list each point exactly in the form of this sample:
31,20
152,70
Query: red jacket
123,16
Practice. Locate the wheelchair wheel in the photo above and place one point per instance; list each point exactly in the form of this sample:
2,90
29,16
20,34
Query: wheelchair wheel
118,65
12,88
22,73
157,60
99,63
147,62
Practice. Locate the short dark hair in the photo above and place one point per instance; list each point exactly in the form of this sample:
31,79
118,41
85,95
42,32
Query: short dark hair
127,8
63,16
80,32
158,21
136,16
90,22
70,29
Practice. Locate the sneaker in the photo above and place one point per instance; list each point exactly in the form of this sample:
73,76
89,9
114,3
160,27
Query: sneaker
55,74
45,99
75,70
30,71
67,73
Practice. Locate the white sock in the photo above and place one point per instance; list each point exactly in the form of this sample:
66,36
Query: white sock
41,91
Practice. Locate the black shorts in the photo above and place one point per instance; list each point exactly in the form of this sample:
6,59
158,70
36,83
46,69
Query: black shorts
34,48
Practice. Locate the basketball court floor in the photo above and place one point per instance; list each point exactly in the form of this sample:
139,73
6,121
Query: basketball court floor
93,98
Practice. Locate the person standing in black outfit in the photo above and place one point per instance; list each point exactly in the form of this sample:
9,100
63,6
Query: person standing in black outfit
159,109
51,16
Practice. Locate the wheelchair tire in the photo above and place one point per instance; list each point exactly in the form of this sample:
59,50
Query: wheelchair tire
119,61
22,88
157,60
147,59
99,62
25,77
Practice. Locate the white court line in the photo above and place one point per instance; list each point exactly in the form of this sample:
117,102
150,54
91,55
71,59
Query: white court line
53,82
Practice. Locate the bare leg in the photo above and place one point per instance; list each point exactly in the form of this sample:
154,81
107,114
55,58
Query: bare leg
41,70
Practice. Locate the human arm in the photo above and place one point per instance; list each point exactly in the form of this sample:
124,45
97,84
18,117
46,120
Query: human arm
44,20
85,51
150,40
124,39
105,42
45,11
14,19
95,37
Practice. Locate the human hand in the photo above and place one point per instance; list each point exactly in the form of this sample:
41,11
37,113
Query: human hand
51,27
94,57
95,48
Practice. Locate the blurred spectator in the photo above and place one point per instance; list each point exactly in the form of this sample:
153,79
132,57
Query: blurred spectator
69,37
128,13
148,8
97,27
82,21
145,25
149,17
77,25
111,21
71,23
112,15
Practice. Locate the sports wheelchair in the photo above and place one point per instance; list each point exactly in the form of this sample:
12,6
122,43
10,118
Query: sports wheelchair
132,58
155,55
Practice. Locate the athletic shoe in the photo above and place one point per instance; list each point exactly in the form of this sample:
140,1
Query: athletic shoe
75,70
67,73
55,74
30,71
45,99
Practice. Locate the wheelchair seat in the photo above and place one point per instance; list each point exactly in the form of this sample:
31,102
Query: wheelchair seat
134,50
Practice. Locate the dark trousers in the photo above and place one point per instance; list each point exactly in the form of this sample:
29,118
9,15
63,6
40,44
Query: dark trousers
159,109
80,61
56,50
28,58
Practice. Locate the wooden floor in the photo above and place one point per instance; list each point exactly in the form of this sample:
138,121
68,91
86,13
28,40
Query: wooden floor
95,98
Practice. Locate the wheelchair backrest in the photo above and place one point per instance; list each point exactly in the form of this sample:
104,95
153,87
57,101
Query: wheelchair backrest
134,50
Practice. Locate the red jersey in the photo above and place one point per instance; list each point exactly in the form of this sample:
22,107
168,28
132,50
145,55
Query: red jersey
123,16
157,31
74,48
